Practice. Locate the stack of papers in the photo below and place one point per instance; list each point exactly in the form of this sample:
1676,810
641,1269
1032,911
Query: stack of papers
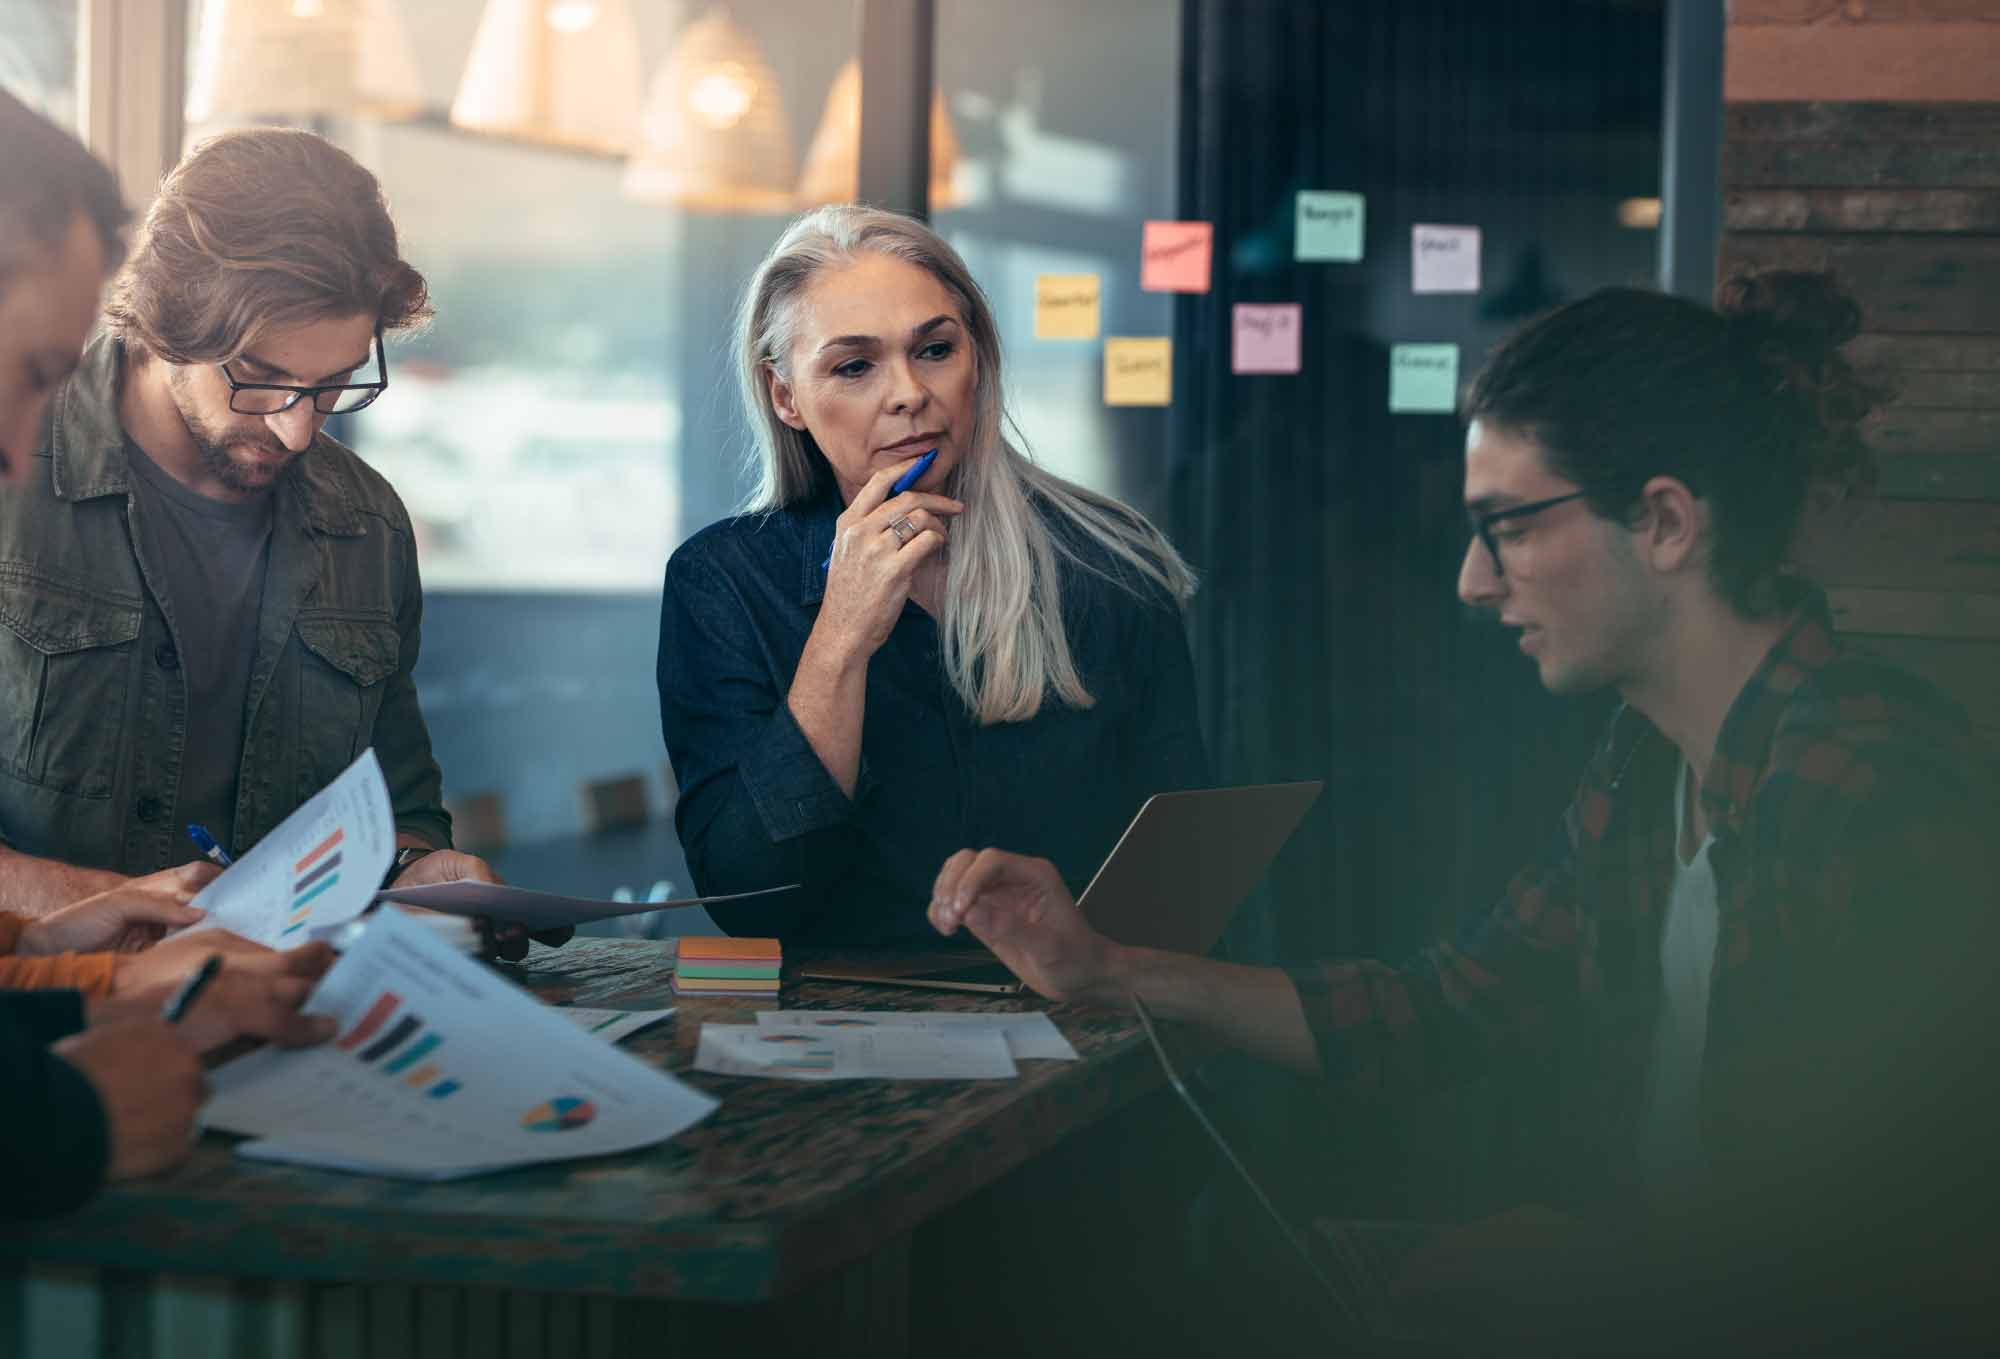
722,966
897,1045
441,1068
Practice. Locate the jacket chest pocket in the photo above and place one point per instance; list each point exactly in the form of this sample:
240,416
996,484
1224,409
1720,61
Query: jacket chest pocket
66,657
344,667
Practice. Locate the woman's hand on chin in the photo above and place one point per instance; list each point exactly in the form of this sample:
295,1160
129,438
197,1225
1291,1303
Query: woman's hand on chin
879,543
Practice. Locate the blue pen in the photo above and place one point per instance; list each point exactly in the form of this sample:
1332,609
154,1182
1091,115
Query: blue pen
900,485
210,851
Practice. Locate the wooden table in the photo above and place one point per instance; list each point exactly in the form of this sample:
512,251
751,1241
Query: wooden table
785,1218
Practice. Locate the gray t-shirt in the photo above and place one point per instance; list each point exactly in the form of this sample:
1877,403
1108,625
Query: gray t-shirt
213,556
1670,1149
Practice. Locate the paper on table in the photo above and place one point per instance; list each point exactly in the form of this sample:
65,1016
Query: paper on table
1444,259
538,910
442,1068
319,868
1066,306
611,1025
854,1054
1029,1036
1267,338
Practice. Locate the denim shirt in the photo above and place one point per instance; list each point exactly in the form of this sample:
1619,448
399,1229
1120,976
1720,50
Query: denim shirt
95,698
758,808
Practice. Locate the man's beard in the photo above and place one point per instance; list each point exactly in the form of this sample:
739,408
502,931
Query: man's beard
213,444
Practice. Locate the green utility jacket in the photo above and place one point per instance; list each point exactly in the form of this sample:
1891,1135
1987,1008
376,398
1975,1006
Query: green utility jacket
93,700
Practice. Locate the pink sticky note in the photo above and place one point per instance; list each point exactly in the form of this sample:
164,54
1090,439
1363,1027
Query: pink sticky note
1176,257
1267,338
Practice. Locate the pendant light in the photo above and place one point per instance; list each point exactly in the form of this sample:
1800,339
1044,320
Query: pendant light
833,163
302,59
559,73
713,136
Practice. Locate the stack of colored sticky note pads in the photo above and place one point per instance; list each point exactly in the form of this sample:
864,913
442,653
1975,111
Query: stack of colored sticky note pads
722,966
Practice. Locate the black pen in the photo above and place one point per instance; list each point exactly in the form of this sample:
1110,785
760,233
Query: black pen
191,989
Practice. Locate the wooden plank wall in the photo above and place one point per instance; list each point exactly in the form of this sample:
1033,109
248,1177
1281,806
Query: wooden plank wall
1902,201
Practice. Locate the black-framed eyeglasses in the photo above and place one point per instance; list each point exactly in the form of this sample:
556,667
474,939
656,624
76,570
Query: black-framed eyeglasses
1482,524
338,398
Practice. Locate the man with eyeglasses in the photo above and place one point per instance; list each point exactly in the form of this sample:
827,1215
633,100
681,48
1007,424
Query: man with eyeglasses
211,607
1755,956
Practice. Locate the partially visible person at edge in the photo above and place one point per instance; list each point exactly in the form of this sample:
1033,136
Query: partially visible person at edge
853,682
1760,937
98,1085
211,606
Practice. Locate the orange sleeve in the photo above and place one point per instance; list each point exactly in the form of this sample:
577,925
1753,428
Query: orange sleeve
89,973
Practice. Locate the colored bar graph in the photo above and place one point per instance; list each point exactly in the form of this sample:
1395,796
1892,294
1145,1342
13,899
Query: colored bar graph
326,866
415,1053
393,1039
321,848
378,1013
323,885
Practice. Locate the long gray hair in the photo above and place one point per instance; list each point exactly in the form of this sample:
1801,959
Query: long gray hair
1002,624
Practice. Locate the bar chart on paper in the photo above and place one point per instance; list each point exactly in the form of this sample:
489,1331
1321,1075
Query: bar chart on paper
318,869
438,1068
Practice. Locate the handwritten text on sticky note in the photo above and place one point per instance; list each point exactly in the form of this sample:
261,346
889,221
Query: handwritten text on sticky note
1328,225
1138,372
1066,306
1444,259
1423,379
1176,256
1267,338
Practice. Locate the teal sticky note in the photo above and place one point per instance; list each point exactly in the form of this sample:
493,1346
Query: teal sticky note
1423,379
1329,225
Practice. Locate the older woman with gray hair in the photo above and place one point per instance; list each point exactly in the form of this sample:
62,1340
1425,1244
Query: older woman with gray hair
915,638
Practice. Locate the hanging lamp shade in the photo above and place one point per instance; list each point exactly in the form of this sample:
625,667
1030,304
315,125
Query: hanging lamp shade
556,72
713,136
833,162
302,59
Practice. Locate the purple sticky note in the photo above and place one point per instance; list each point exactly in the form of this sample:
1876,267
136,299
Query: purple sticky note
1267,338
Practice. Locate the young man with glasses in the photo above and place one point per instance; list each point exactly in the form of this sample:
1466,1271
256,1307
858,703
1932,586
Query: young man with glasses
210,606
1756,951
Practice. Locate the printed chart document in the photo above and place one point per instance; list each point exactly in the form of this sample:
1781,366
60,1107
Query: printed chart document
854,1053
539,910
1029,1036
441,1068
611,1025
318,869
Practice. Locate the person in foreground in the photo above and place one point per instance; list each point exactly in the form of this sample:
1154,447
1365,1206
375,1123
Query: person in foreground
116,1094
1758,941
855,678
210,606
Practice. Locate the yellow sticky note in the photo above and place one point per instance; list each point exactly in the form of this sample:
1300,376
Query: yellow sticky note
1138,372
1066,306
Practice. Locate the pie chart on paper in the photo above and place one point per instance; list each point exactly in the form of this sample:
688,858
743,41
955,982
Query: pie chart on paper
559,1115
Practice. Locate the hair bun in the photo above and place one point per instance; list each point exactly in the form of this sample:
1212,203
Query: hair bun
1803,310
1792,323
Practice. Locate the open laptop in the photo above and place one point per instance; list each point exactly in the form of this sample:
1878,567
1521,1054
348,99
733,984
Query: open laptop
1173,881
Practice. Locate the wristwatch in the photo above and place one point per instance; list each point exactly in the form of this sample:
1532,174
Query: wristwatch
405,856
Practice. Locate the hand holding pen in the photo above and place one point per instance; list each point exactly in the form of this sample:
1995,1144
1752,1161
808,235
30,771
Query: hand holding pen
880,541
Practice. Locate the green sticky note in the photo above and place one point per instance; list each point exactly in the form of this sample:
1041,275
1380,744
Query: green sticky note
1423,379
1329,225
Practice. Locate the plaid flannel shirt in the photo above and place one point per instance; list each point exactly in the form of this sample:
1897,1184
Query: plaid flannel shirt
1846,1049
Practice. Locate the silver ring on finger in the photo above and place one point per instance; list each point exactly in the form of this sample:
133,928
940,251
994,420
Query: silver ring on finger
904,531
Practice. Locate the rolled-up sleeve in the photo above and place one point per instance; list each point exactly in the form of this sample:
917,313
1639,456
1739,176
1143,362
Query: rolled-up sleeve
757,807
